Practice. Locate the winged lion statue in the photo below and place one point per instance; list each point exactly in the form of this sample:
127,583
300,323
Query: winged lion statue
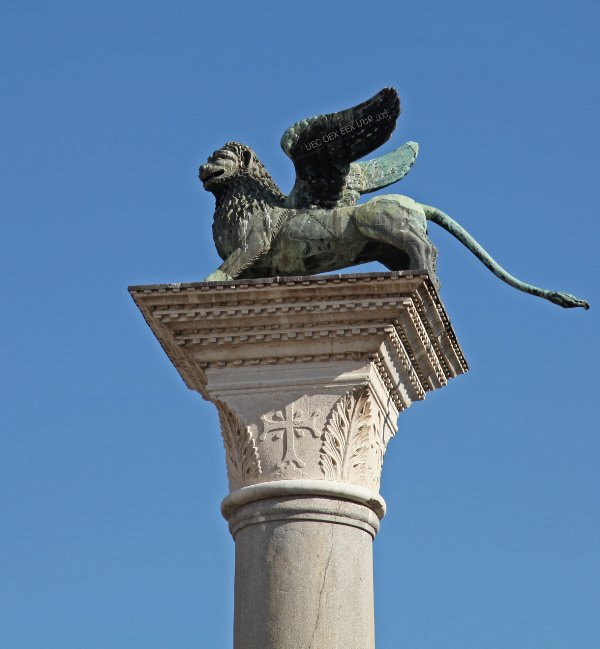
318,227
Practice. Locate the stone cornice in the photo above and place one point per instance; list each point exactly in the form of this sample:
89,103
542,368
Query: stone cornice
394,319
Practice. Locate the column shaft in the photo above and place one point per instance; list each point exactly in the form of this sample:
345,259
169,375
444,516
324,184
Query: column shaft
304,574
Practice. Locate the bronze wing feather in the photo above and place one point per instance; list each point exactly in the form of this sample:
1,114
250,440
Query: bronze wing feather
323,147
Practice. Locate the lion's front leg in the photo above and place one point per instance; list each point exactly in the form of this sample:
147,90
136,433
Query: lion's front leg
232,267
218,276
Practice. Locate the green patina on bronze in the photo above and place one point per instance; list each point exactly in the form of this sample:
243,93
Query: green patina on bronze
261,232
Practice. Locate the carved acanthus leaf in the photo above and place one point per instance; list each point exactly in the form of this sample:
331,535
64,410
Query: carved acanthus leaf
241,454
347,438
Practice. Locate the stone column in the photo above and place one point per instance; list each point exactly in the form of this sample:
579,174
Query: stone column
308,375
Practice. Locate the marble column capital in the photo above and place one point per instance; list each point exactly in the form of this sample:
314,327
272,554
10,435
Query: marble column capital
308,374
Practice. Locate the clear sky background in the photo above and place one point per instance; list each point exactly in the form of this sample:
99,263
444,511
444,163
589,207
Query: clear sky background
112,471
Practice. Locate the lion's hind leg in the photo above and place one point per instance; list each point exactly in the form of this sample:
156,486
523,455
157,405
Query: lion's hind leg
423,256
399,222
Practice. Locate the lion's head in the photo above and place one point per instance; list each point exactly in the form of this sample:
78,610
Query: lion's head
234,160
222,165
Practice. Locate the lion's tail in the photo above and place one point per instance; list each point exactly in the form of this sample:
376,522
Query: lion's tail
450,225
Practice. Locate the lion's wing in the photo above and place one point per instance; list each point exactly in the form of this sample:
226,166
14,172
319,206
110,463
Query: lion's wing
323,147
371,175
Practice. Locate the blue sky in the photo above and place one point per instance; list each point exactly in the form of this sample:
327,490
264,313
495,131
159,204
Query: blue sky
112,472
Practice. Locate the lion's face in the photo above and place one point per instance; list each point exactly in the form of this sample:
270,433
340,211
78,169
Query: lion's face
223,164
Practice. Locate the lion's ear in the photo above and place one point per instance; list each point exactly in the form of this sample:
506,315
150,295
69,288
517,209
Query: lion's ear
247,158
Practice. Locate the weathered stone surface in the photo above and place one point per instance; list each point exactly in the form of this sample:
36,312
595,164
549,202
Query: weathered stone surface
308,375
304,574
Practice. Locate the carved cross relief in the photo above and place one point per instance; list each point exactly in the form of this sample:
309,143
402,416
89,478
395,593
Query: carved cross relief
344,440
286,425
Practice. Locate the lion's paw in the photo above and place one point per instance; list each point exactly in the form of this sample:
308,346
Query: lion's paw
218,276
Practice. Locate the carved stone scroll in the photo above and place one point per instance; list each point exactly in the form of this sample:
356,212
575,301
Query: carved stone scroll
241,455
347,438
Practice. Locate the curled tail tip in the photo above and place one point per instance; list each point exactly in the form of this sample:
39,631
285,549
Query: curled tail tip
566,301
